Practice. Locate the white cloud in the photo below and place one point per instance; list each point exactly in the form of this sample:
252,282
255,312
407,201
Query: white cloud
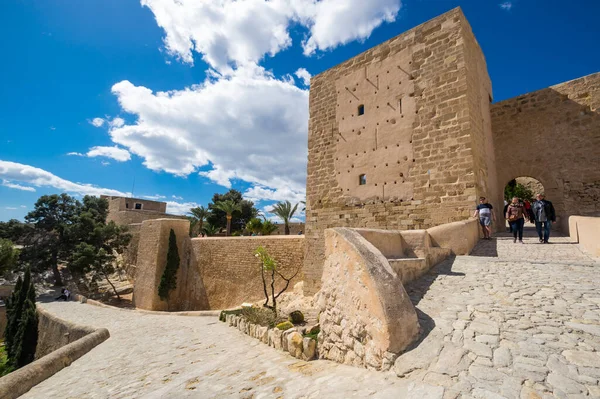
249,126
105,163
76,154
116,122
8,184
116,153
52,128
239,32
177,208
507,5
16,172
176,197
23,206
258,193
155,197
304,75
97,122
334,22
11,208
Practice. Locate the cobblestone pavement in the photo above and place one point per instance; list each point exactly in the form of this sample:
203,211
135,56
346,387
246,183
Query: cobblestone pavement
509,321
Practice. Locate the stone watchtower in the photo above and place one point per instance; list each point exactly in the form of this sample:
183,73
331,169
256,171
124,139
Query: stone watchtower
399,136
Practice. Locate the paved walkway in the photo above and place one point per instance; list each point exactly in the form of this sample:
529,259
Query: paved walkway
509,321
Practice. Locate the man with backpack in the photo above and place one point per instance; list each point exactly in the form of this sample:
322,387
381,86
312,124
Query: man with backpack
544,213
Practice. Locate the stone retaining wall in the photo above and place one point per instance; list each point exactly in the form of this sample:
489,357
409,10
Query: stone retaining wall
60,343
231,272
291,340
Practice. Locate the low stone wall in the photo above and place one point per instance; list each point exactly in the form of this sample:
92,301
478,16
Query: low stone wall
54,333
60,343
291,340
231,273
460,237
585,230
366,318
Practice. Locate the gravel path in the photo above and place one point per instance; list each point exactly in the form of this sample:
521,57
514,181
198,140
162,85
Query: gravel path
509,321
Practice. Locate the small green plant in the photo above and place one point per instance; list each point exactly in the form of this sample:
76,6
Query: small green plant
5,366
296,317
313,332
269,266
286,325
261,316
168,281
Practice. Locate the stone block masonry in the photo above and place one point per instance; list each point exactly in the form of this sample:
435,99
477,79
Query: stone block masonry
215,273
553,135
231,272
399,136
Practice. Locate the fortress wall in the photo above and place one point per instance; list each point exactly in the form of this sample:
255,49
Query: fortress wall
419,142
137,216
553,135
231,273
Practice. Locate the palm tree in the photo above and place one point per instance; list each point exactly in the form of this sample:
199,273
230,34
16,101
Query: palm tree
285,211
210,230
197,217
229,207
268,227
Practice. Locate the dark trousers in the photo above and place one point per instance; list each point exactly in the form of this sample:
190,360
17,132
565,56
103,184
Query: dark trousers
546,233
517,228
63,297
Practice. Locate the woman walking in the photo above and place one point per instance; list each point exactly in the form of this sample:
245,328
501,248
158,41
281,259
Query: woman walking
514,215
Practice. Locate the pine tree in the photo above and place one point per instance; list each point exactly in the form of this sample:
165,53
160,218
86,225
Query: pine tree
168,281
16,312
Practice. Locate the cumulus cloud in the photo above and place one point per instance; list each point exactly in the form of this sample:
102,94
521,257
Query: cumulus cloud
8,184
304,75
16,172
178,208
154,197
75,154
176,197
507,5
249,126
116,122
116,153
239,32
97,122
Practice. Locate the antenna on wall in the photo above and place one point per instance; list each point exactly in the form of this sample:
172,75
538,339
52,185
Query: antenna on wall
132,186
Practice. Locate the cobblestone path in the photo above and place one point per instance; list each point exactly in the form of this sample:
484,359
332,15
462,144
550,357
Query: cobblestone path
509,321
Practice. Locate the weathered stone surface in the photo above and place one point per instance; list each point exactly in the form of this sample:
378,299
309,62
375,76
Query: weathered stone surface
502,357
295,344
565,384
309,347
363,300
420,357
582,358
451,361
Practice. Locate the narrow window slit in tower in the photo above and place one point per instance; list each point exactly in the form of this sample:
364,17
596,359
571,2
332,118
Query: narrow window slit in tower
361,110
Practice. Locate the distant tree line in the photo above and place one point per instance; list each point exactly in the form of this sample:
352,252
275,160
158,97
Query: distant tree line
236,215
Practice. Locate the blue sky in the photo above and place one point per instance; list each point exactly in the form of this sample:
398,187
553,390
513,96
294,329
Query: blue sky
188,100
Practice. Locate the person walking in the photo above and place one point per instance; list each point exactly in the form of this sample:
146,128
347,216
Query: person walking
544,214
484,211
514,215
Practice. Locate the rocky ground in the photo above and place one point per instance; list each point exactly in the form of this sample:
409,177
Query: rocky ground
509,321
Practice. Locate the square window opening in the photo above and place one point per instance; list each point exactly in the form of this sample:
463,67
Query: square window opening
361,109
138,205
362,180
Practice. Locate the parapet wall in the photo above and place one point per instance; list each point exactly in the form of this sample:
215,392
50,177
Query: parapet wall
231,272
214,273
586,232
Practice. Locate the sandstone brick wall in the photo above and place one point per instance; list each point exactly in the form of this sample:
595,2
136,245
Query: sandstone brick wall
231,273
124,203
429,171
553,135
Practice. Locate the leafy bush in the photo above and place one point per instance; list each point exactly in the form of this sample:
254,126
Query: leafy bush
296,317
313,332
286,325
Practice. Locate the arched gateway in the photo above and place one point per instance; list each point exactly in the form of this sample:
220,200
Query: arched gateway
404,136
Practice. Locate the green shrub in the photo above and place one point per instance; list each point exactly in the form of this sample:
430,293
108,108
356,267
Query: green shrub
262,316
296,317
224,313
286,325
313,332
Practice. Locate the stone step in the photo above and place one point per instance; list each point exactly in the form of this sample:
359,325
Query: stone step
408,269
